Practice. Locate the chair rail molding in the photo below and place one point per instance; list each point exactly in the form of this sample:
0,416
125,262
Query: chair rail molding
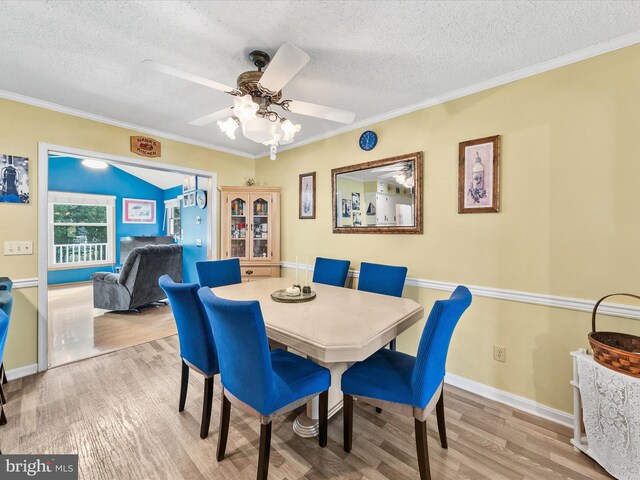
25,282
543,299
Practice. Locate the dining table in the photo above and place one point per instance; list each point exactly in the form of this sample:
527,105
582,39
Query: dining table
339,327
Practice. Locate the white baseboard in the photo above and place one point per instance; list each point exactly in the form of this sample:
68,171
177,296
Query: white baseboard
510,399
20,372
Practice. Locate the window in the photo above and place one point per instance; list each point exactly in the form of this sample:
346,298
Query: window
81,229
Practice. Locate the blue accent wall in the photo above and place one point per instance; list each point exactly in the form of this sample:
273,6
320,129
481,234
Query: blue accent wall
67,174
191,232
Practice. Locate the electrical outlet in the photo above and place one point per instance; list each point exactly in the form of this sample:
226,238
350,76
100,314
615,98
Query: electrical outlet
18,248
499,353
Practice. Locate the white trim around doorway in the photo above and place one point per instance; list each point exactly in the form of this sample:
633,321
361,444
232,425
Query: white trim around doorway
43,231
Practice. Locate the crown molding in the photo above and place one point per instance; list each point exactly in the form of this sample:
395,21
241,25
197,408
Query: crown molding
562,61
16,97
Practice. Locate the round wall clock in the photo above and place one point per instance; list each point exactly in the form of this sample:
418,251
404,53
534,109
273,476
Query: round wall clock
368,140
201,198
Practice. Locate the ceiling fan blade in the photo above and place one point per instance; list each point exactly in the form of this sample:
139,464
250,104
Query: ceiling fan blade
191,77
212,117
321,111
286,63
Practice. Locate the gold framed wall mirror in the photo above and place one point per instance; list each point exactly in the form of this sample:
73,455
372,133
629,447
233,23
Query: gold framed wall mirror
383,196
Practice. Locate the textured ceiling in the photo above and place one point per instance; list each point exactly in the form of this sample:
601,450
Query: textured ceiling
368,57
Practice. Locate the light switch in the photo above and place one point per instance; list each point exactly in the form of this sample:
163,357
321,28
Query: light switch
198,242
198,220
18,248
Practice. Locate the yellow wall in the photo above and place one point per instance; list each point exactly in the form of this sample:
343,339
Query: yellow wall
570,220
21,128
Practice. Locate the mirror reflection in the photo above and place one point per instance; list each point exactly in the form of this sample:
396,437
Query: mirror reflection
377,195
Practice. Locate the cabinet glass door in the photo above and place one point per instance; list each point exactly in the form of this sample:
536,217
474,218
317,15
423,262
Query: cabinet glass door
238,210
261,227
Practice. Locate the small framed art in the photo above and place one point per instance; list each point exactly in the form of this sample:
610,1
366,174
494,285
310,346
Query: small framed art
479,175
138,211
307,187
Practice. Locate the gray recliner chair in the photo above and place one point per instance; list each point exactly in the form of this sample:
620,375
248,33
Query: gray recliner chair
137,283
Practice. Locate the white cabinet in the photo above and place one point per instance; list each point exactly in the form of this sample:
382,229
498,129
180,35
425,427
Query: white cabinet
384,208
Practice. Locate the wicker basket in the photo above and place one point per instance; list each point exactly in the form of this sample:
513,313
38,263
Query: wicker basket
617,351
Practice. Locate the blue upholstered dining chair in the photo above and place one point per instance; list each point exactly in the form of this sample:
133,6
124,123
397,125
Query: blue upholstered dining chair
197,348
218,273
382,279
408,385
260,382
6,305
4,328
330,271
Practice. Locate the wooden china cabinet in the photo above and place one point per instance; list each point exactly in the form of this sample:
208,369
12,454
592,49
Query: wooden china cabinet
250,229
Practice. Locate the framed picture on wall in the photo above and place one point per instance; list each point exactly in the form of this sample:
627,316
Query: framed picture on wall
189,184
479,175
14,179
346,208
355,200
307,188
138,211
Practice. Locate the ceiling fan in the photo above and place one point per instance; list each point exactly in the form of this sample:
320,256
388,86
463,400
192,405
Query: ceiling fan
402,173
255,95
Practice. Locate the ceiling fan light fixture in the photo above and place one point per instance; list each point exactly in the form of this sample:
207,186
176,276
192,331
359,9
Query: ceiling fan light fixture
289,130
259,130
256,92
245,108
229,126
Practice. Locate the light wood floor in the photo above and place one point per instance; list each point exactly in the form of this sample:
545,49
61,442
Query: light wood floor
119,413
78,331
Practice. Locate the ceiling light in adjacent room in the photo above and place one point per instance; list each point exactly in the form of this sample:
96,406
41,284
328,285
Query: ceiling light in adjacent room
92,163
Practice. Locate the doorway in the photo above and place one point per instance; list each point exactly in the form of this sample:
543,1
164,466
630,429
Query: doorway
94,209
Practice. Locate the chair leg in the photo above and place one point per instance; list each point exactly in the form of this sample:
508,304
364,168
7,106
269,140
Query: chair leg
206,407
184,385
422,449
392,345
378,410
3,399
3,419
442,428
324,418
4,373
225,413
265,450
348,422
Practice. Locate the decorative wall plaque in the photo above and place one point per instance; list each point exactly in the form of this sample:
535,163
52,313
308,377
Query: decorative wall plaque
145,146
